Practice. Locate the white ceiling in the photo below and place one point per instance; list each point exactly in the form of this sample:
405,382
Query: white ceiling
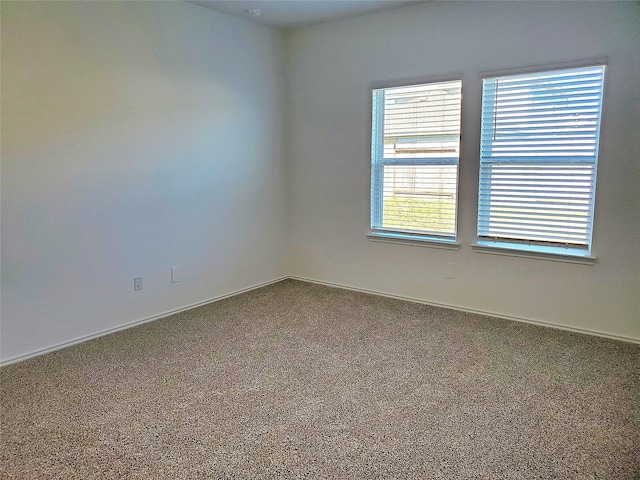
286,14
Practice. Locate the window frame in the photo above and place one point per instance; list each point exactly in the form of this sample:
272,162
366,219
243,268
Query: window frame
377,163
532,248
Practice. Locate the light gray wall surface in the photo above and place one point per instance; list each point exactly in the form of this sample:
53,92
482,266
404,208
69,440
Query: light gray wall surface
136,136
328,132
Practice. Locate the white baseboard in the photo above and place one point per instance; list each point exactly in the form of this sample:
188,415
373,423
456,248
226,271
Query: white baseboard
135,323
470,310
142,321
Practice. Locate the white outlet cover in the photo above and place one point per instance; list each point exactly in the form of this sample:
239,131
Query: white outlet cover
175,274
450,271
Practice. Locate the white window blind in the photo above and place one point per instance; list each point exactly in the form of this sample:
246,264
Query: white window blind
414,159
538,157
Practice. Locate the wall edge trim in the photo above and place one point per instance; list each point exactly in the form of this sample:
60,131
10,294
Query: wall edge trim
168,313
471,310
135,323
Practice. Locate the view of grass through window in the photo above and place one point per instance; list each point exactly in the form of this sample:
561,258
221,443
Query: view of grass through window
418,214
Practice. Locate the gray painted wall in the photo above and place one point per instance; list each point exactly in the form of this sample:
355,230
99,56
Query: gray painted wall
140,136
136,136
328,131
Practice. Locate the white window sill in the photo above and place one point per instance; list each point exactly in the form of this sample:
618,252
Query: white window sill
413,240
556,254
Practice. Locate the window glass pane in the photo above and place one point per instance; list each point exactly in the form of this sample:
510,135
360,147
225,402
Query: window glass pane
542,203
420,198
422,121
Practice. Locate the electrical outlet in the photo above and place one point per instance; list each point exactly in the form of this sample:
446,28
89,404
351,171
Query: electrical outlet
450,270
175,274
137,283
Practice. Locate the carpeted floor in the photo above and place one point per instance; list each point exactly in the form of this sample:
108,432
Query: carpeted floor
297,380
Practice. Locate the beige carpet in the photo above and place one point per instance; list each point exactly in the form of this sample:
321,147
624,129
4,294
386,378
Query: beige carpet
297,380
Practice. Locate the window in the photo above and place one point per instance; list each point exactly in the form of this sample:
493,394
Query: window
538,158
415,146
